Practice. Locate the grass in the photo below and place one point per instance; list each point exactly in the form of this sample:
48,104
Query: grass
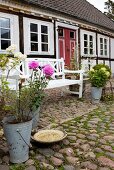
18,167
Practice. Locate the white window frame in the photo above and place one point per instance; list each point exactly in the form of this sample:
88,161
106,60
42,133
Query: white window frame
99,49
14,27
88,33
27,44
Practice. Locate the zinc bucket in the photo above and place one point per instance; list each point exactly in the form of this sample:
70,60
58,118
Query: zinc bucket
18,140
96,94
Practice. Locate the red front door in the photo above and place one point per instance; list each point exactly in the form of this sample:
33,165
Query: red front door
67,43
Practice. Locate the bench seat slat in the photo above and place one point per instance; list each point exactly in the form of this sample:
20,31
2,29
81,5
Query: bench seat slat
61,82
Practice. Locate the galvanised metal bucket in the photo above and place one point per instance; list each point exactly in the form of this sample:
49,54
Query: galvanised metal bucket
18,139
96,94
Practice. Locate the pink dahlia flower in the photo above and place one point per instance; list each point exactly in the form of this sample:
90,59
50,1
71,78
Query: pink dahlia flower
48,70
33,65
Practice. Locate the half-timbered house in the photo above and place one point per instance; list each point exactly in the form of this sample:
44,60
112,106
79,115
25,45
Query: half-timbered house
57,28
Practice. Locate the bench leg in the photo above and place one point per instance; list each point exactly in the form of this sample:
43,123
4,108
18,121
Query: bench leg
80,90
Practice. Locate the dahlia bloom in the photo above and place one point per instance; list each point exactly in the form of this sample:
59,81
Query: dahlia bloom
48,70
33,65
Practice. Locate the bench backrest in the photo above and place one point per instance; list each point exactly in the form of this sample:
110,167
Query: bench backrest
57,64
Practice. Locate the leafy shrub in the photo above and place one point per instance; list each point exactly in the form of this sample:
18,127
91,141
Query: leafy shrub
99,75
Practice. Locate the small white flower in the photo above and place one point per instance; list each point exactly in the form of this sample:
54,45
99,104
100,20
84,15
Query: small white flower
23,57
17,54
20,56
10,64
11,48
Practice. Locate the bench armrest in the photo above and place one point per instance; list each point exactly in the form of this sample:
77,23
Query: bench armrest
81,72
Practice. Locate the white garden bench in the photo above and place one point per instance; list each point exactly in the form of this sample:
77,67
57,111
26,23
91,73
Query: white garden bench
59,79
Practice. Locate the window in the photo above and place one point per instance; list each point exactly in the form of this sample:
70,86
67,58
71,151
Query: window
40,37
9,31
88,44
103,45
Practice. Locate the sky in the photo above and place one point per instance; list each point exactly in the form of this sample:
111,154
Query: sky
99,4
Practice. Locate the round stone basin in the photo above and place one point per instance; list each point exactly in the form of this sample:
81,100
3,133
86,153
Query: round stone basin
49,136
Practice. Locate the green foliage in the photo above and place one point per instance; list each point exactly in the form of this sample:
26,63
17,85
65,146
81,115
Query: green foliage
108,97
99,75
17,167
109,6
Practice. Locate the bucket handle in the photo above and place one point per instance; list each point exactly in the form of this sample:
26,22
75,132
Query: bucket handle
18,131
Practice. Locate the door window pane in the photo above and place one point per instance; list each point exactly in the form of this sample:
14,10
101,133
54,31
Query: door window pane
72,34
44,47
33,27
4,22
5,33
44,29
34,46
5,44
60,32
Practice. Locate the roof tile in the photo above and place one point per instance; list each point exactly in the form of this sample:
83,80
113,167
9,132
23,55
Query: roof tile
80,9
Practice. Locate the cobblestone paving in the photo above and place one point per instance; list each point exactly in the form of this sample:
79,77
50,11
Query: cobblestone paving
57,108
89,144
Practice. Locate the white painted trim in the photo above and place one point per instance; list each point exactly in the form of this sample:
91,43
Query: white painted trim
64,25
14,29
112,47
26,23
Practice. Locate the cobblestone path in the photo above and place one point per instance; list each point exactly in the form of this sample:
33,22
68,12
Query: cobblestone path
88,146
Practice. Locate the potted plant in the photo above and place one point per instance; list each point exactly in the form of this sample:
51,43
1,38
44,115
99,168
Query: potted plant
98,76
21,103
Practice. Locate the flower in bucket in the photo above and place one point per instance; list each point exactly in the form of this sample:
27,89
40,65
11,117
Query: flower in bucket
8,64
48,70
99,75
40,73
33,65
11,59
